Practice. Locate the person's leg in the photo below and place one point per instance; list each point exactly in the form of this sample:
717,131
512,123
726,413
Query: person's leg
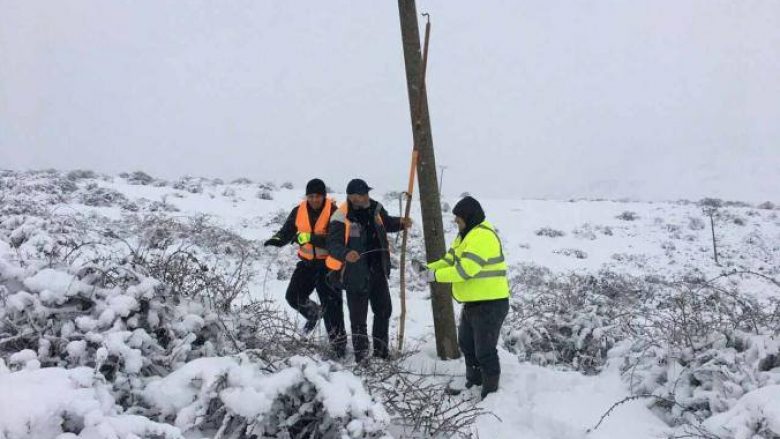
487,328
466,344
333,314
382,307
357,302
301,285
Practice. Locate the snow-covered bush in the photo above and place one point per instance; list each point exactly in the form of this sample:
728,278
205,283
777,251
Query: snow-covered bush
628,216
701,345
193,258
268,186
690,385
190,184
111,319
98,196
550,232
238,398
639,260
111,314
572,252
693,347
568,321
140,178
156,357
710,203
81,174
755,415
277,218
588,231
155,206
68,403
264,194
696,223
585,231
418,400
49,188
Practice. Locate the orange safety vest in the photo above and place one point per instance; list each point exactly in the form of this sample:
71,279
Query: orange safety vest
308,251
331,262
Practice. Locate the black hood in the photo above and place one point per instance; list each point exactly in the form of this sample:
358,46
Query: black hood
470,211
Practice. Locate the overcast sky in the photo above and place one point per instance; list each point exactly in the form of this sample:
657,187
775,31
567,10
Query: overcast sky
548,98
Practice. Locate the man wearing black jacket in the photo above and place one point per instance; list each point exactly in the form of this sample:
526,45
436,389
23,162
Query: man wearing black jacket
360,260
307,225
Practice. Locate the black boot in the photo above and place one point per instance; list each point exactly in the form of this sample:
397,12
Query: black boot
489,385
359,345
312,312
473,377
380,348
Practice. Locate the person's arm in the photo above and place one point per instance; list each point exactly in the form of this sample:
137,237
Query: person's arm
286,234
392,223
446,261
320,241
477,253
335,244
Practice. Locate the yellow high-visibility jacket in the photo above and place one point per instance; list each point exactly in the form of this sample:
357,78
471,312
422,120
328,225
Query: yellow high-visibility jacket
475,266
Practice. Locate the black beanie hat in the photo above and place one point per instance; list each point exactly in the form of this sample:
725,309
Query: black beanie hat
316,186
470,211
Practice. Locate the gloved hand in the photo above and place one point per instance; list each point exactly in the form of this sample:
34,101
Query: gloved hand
303,238
352,257
274,241
419,266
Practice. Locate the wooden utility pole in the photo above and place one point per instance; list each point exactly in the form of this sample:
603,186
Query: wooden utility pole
430,203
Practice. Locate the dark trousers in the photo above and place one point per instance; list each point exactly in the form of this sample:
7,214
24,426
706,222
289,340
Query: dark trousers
311,275
378,295
478,331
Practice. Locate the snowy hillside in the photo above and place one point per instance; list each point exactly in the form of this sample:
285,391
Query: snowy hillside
136,307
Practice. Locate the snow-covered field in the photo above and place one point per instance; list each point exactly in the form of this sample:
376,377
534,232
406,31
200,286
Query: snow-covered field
610,299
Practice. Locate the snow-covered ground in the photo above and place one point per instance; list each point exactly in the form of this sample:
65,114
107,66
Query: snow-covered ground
640,239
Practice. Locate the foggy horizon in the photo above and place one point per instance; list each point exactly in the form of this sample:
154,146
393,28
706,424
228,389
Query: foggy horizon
642,100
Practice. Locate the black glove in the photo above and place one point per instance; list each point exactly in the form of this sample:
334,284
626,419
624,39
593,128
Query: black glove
419,266
276,242
422,268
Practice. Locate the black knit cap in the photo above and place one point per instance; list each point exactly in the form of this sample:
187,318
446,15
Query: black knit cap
357,186
316,186
470,211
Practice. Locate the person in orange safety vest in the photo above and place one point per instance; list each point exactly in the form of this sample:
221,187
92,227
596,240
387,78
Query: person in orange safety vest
307,226
359,260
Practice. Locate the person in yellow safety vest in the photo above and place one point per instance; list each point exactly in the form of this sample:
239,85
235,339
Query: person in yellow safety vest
360,262
476,268
307,225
